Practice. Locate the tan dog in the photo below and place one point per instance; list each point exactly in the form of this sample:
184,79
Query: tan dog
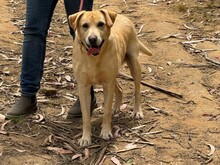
104,40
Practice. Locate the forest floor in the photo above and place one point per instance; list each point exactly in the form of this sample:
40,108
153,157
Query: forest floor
181,129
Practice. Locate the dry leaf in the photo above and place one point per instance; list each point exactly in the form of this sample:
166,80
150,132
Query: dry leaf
68,78
3,125
212,149
59,79
169,63
62,111
86,152
138,127
130,146
160,67
149,69
123,106
188,27
50,138
39,118
3,132
104,5
69,98
2,118
43,100
98,90
139,31
19,150
59,150
76,156
68,47
114,146
103,159
115,161
116,134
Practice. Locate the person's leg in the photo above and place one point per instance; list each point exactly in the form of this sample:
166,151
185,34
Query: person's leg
71,8
38,18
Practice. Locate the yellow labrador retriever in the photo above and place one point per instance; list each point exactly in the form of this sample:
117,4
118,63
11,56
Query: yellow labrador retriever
104,40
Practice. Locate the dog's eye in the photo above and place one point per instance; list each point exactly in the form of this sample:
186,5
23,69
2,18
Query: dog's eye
100,24
85,25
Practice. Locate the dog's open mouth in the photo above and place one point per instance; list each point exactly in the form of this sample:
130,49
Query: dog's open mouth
94,50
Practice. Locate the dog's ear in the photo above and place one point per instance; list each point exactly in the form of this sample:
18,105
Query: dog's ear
74,19
110,17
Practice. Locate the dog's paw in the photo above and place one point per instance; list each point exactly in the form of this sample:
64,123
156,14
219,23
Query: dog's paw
84,142
137,115
106,134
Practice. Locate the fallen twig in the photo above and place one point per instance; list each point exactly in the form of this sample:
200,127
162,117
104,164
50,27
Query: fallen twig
179,96
151,127
194,41
139,31
195,65
150,133
207,159
126,150
203,52
158,110
211,60
139,142
177,35
189,27
100,157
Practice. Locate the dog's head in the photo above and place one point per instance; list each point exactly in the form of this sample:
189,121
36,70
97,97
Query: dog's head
93,28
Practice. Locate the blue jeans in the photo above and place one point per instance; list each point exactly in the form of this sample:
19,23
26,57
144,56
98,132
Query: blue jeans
38,18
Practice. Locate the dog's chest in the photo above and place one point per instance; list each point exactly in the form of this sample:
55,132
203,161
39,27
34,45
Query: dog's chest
93,72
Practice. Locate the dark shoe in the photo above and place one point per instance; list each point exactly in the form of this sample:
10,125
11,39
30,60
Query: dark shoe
23,107
75,110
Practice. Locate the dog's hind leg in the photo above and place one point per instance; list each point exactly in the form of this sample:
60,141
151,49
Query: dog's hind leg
135,69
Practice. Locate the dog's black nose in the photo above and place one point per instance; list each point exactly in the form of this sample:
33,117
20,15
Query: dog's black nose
92,39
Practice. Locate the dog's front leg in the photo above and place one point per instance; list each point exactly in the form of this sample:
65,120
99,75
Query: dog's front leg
85,101
106,132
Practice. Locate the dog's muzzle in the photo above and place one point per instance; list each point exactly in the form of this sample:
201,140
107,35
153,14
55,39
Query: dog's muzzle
93,45
93,49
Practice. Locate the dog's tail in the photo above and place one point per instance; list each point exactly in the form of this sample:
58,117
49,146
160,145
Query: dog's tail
144,49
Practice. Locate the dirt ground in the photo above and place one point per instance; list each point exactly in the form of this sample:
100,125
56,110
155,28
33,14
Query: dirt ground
181,129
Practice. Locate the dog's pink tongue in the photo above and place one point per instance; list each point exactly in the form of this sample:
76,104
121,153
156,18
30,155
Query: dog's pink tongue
94,51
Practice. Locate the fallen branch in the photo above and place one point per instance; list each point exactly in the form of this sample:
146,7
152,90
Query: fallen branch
100,157
211,60
126,150
195,65
154,87
188,45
